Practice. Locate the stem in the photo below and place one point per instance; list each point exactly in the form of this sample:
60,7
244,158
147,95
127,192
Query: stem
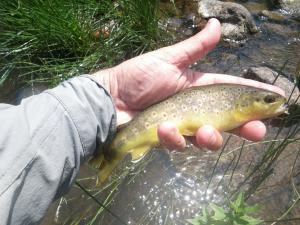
99,203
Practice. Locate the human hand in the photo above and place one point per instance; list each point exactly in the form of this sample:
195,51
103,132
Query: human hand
149,78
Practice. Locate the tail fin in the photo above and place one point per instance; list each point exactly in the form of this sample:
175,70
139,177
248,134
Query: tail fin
105,166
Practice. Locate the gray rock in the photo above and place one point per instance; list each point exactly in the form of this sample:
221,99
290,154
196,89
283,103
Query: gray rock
273,15
236,20
291,6
267,75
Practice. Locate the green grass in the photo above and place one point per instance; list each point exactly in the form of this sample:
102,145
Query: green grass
238,213
52,40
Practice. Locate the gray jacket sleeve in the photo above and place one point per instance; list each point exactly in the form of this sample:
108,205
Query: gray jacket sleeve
44,140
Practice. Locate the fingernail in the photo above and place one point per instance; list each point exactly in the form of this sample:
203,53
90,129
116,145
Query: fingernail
210,20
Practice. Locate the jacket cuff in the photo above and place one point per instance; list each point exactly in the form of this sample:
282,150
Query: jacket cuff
92,111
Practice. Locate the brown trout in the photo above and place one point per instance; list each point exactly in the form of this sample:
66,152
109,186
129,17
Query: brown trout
224,106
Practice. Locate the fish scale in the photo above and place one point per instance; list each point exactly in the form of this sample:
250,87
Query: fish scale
224,106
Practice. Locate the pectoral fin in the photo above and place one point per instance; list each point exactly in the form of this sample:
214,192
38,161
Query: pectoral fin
138,153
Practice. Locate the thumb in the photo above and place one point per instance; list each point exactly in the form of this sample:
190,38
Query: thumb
194,48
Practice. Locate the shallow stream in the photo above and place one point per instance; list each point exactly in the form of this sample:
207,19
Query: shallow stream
167,189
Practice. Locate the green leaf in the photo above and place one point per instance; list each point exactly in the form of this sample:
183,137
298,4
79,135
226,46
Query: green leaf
205,215
239,202
238,214
252,209
194,221
219,213
240,221
251,221
201,219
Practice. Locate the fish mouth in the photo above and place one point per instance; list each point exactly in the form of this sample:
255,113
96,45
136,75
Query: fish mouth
283,109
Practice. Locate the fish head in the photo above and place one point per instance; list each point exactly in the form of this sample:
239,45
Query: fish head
260,104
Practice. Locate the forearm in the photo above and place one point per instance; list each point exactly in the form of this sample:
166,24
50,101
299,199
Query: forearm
43,142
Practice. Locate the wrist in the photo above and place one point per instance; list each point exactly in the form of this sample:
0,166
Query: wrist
103,77
108,80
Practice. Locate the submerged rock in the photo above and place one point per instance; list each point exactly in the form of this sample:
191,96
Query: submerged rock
290,6
186,25
267,75
236,20
273,15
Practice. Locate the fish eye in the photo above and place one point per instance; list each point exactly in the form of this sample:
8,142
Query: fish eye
269,99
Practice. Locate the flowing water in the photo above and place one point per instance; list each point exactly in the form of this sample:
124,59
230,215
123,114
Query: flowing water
168,188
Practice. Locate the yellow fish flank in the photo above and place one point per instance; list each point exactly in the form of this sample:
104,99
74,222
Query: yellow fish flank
224,106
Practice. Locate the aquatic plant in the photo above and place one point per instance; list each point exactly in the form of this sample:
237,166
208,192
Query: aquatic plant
237,214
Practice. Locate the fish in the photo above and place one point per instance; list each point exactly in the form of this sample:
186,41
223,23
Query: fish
224,106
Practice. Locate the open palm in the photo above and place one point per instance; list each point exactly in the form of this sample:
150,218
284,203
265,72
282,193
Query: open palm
139,82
